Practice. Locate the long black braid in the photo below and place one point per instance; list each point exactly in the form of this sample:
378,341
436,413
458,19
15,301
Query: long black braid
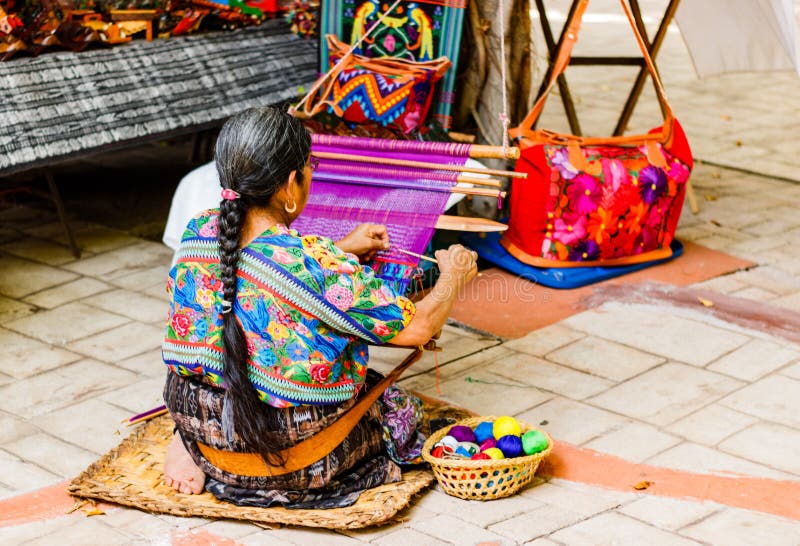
256,152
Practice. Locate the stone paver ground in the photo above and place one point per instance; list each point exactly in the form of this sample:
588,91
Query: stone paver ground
658,385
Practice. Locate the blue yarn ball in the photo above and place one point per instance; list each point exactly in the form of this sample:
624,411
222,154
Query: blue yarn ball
511,446
483,431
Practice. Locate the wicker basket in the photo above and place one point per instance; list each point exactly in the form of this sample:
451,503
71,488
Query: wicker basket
483,479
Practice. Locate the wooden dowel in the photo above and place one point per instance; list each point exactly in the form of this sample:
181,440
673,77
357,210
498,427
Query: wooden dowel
461,137
493,152
465,223
147,417
483,192
420,256
416,164
491,182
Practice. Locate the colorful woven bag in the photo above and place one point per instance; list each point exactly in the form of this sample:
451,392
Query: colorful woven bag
597,201
389,91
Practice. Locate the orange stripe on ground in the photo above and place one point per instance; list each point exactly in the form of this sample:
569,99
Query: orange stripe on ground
506,305
590,467
200,538
47,503
567,462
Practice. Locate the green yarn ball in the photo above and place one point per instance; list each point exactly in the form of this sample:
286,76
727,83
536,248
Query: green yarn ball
533,441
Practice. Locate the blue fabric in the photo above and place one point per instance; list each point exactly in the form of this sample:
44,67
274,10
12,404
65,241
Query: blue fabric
489,248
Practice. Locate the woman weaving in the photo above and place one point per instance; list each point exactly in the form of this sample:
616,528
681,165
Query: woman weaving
267,336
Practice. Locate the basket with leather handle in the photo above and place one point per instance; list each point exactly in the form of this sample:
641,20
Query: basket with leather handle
389,91
597,201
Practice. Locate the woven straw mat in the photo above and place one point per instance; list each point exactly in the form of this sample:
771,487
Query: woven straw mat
132,475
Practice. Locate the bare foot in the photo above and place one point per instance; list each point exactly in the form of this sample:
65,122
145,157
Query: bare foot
180,471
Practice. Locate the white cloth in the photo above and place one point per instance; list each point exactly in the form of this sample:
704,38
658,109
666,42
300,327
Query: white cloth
740,35
200,190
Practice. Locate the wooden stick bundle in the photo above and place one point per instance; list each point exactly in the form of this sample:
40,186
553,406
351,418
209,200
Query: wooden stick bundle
417,164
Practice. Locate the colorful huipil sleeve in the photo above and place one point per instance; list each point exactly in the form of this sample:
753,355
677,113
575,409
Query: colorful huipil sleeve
375,307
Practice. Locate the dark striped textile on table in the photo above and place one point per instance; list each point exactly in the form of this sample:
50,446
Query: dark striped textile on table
62,105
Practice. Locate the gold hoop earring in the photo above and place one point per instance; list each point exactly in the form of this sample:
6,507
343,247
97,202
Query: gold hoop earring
292,209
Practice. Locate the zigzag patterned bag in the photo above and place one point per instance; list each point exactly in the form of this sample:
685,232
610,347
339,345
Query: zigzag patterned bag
389,91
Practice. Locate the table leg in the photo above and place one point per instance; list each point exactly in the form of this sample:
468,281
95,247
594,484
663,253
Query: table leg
56,198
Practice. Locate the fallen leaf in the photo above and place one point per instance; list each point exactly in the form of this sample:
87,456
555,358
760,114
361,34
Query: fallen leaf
716,223
739,143
716,175
725,117
642,485
95,511
710,197
705,302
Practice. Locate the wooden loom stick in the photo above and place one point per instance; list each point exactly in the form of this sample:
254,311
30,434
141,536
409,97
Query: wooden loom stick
420,256
146,416
492,182
464,223
482,192
416,164
493,152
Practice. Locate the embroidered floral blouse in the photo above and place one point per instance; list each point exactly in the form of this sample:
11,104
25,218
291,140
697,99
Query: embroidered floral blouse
307,308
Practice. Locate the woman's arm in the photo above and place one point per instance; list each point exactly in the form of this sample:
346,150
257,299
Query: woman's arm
457,266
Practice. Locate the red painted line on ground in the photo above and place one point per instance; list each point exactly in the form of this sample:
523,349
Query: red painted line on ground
200,538
576,464
778,497
47,503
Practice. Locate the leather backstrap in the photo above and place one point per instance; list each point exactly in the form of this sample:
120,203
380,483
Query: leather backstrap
310,450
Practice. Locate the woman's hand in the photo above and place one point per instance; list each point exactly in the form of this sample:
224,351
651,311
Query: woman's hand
457,265
365,240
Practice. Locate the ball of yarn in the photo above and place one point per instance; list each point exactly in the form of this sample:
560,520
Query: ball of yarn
533,441
448,441
506,426
438,452
480,456
489,442
511,446
462,433
494,453
483,432
471,447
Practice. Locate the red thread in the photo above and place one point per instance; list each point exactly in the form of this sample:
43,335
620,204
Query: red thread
436,364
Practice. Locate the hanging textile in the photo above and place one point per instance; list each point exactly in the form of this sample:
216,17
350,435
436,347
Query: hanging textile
407,200
418,31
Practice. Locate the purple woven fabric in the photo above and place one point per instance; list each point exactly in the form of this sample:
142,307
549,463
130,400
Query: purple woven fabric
408,201
382,145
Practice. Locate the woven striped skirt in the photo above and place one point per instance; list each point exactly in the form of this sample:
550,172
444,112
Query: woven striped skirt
389,430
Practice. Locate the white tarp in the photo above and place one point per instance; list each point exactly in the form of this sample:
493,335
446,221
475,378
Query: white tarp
740,35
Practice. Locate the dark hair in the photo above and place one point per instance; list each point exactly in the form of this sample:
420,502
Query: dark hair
256,152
